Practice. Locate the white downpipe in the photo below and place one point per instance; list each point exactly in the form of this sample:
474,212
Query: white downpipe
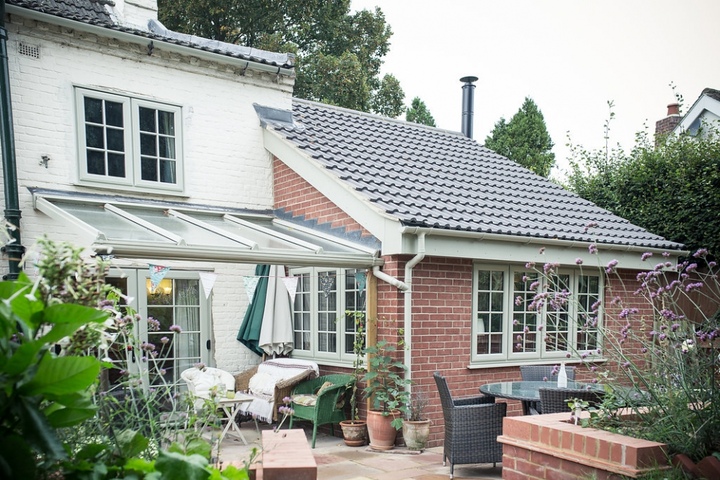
408,303
388,279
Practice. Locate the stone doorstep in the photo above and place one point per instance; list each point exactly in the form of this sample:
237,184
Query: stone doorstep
285,454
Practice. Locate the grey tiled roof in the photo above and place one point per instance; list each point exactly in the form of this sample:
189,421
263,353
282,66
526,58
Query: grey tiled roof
434,178
95,12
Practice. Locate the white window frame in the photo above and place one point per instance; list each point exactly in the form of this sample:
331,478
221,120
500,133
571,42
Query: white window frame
131,126
541,353
340,357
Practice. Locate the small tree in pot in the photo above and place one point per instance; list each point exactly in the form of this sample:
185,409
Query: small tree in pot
355,430
385,385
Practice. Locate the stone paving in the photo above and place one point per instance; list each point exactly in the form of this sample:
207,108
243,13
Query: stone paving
336,461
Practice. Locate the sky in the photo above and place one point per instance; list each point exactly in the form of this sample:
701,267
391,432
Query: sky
570,56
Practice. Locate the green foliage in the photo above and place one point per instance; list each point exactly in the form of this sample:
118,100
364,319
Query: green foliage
54,420
385,381
40,391
660,357
524,139
339,54
419,113
672,189
359,361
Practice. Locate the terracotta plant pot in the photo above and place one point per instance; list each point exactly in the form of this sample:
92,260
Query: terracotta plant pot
382,434
416,434
354,432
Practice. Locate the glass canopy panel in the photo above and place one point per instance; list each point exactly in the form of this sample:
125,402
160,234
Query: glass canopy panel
262,239
327,244
111,225
192,234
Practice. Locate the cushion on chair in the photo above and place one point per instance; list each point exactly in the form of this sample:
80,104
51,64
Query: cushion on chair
304,399
262,383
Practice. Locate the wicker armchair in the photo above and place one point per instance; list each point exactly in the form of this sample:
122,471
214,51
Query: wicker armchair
554,400
472,426
542,373
282,387
321,404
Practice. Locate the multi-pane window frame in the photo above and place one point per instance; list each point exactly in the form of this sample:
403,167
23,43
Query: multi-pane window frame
138,290
132,141
312,314
520,345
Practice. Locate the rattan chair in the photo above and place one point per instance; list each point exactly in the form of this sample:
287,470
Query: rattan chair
321,400
542,373
472,426
554,400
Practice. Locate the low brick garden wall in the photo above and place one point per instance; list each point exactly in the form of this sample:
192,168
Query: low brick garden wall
550,447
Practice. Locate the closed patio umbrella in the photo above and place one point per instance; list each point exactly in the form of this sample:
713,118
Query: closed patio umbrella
249,334
276,333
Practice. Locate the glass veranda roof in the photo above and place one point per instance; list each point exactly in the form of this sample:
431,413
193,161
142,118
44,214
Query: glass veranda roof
129,227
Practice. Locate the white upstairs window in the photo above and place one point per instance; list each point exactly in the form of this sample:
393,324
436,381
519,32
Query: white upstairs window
129,142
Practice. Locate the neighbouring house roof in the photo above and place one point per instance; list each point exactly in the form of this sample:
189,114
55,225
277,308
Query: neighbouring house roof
98,13
428,177
705,111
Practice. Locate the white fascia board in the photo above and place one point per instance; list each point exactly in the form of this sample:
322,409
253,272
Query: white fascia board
506,248
373,219
140,40
65,218
705,102
230,255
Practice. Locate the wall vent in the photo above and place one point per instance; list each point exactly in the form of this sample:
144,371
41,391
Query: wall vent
32,51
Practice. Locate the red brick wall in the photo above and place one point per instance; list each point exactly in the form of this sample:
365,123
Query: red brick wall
539,447
297,197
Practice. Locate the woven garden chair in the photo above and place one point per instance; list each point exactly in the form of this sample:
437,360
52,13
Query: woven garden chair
542,373
554,400
321,400
472,426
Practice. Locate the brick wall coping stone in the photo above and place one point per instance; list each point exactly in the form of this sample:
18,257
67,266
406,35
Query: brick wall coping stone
554,435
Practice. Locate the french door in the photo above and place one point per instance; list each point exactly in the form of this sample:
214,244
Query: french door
172,332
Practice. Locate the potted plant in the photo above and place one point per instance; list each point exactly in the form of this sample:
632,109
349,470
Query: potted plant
355,430
416,427
385,385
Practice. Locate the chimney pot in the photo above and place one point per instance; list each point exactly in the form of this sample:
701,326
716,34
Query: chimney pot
467,105
673,109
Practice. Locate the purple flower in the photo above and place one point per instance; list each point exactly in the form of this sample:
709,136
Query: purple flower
176,328
611,266
701,253
530,265
518,300
592,248
666,254
645,256
693,286
164,340
578,261
542,250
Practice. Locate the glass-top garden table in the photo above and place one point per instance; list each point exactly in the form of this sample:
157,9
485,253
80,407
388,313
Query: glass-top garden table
528,392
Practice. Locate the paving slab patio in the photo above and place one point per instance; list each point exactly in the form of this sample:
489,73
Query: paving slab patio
336,461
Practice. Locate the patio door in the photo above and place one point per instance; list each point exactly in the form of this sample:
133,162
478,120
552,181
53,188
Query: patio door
174,326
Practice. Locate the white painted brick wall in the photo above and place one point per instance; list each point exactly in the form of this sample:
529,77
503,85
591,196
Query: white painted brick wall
226,164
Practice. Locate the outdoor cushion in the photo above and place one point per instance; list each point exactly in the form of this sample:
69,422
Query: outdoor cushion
262,383
306,400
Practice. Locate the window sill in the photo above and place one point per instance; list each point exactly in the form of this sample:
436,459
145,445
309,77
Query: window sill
131,189
546,361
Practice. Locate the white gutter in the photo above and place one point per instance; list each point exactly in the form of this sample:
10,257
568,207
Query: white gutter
408,303
145,41
534,240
